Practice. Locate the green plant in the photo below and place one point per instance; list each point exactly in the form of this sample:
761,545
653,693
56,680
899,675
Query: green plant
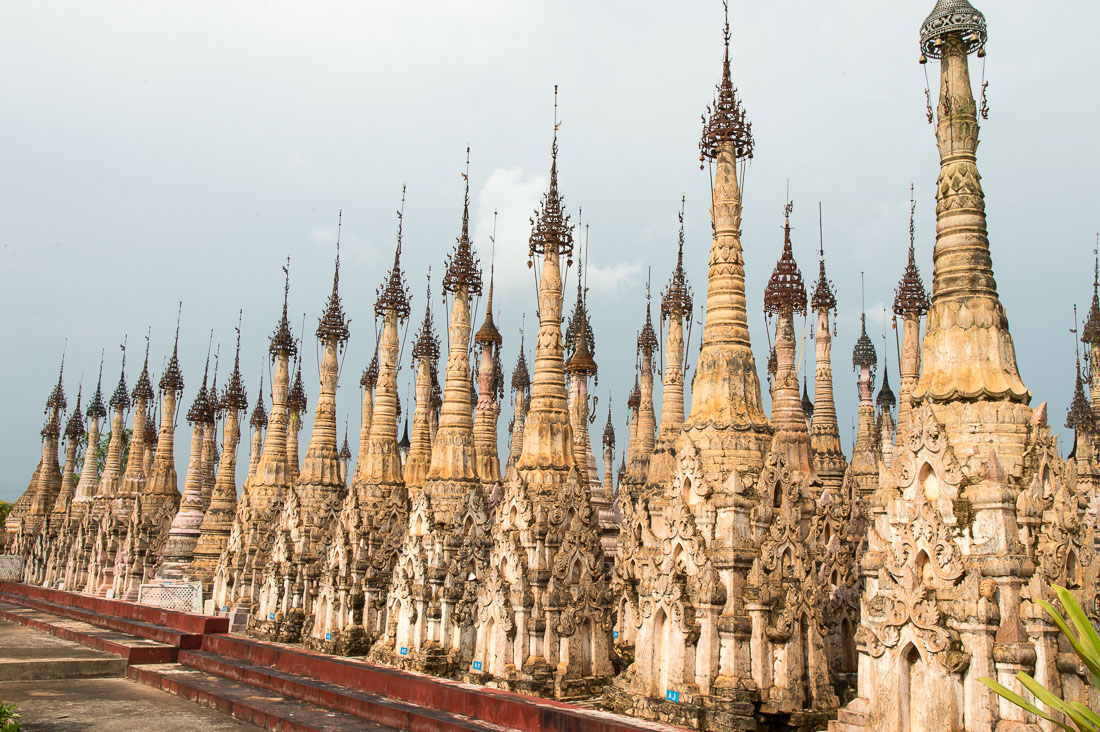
101,451
5,509
1086,643
9,718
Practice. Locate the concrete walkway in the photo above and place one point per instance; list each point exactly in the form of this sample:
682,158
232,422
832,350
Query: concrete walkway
61,686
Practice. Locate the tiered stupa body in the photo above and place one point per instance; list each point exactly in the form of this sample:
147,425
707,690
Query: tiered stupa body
237,579
543,607
217,521
977,515
292,572
425,354
676,308
424,630
829,461
521,387
349,612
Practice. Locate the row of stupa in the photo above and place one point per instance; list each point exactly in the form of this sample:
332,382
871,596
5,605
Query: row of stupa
743,573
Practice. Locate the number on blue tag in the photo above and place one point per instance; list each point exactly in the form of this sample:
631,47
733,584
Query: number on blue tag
614,634
225,608
404,651
477,665
672,696
271,616
328,636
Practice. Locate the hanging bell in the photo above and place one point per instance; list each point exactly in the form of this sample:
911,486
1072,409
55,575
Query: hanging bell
924,59
981,52
530,264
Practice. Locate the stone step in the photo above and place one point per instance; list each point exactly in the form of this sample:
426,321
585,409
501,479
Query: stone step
477,704
268,710
132,648
184,622
41,669
159,633
359,703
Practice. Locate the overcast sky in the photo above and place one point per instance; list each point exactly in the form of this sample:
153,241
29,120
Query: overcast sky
158,152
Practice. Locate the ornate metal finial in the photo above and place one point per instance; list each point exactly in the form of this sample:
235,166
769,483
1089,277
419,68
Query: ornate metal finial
786,291
258,420
75,426
463,269
807,403
200,410
886,400
727,121
56,399
405,443
332,324
393,293
121,398
172,379
437,390
345,449
487,334
143,389
647,337
1079,417
96,408
579,324
551,232
952,16
282,342
608,429
369,379
910,295
823,298
677,297
521,377
864,352
635,399
235,398
427,343
1090,333
296,400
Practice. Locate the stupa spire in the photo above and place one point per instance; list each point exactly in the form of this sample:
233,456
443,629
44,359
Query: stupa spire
161,488
1090,333
425,352
488,340
829,460
725,391
966,314
911,303
784,297
86,485
380,468
453,456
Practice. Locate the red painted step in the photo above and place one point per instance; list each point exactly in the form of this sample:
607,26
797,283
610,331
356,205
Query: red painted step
133,649
184,622
168,636
269,711
363,704
502,708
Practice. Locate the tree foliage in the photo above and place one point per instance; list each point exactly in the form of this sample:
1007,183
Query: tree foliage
1086,644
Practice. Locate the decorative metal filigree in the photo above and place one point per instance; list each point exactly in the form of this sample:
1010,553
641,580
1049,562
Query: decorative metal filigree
463,269
550,229
521,377
786,292
296,400
579,319
143,389
1090,333
75,426
200,410
677,296
910,296
56,399
235,398
369,379
1079,416
96,409
282,342
886,399
634,401
608,429
393,294
121,398
807,403
258,420
488,335
427,343
864,352
332,323
727,122
172,378
953,16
